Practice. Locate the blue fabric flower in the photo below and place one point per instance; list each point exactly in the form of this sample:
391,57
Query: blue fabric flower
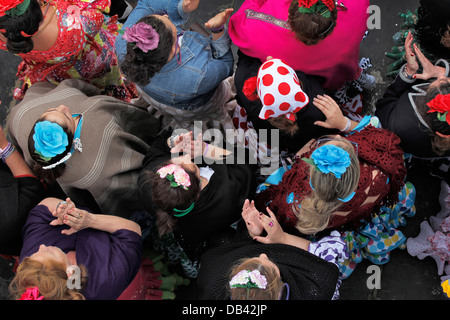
331,158
49,139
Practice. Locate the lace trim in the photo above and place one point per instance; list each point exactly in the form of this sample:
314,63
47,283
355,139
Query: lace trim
252,14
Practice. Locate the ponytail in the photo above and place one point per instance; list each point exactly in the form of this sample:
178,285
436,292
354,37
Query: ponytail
141,67
16,28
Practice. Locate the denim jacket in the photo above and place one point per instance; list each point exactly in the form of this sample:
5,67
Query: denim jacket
204,63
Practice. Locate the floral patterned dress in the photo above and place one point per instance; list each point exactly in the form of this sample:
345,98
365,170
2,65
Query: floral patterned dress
83,50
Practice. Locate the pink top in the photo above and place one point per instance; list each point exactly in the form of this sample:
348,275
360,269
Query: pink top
260,29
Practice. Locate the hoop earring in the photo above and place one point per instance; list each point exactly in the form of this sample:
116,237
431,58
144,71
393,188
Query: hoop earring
285,285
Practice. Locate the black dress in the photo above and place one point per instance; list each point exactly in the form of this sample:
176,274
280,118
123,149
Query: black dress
218,206
248,67
396,111
17,197
308,276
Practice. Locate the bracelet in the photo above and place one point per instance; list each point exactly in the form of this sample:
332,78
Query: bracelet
7,151
347,126
218,30
407,75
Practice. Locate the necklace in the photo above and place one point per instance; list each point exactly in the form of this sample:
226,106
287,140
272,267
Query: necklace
42,28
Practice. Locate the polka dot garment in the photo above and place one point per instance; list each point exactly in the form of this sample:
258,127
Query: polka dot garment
279,90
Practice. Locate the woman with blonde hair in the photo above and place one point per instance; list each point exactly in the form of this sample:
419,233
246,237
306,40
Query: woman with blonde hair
63,244
338,181
46,280
277,266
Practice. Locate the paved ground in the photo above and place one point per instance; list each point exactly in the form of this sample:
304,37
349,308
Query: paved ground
404,277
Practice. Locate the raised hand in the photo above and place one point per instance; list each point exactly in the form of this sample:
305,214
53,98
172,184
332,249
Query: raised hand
219,19
332,111
251,217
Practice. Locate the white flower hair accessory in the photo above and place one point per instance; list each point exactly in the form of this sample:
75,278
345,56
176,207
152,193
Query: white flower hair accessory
248,279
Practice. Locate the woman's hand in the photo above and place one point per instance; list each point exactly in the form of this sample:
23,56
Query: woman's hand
411,62
76,219
190,5
62,208
413,56
275,233
185,143
251,217
332,111
67,213
219,19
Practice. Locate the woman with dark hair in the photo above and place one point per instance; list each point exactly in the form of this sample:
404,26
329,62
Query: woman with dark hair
415,104
61,39
85,141
296,123
192,203
176,69
303,33
20,191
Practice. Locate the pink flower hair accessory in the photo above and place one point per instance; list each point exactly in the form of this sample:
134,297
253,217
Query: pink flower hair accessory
144,36
177,176
32,293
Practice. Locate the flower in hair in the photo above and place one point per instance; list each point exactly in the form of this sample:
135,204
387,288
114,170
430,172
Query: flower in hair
50,139
330,159
330,4
177,176
249,89
32,293
144,36
441,105
13,7
248,279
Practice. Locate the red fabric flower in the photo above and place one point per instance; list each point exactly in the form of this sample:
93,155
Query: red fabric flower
309,3
6,5
441,104
32,293
249,89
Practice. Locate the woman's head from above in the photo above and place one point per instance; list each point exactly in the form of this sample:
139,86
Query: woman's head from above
52,136
434,108
174,189
334,178
312,20
334,168
48,269
256,278
280,91
19,20
151,43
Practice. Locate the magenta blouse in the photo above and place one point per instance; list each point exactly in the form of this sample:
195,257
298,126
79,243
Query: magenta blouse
260,29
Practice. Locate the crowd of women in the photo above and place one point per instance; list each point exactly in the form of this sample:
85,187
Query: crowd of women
95,169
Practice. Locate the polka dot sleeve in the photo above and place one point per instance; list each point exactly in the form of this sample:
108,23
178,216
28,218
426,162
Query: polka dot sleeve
331,248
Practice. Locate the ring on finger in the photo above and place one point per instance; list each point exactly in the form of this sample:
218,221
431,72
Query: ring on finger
271,224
